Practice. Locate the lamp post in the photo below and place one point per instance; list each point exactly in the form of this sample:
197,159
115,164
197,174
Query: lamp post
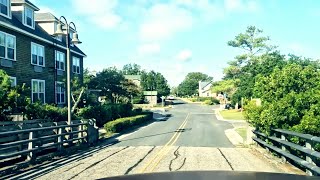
74,40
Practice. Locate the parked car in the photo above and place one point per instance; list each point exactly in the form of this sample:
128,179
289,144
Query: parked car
171,97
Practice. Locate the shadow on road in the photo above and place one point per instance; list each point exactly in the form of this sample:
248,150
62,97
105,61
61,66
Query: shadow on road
48,166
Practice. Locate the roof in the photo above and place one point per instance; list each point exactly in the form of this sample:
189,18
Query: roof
150,93
133,77
203,84
44,17
37,31
25,2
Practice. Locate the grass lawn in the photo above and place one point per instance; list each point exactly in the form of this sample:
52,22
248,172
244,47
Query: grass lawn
242,132
232,114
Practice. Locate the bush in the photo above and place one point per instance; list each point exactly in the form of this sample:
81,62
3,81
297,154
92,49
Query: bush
208,102
121,124
105,113
46,111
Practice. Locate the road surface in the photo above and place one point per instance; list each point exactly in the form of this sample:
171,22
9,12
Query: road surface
190,139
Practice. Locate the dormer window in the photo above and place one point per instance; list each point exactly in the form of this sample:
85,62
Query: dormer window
28,17
5,8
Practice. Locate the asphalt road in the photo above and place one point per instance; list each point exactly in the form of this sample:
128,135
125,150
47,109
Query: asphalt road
202,129
191,139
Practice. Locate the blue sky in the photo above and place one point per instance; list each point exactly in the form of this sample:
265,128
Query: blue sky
175,37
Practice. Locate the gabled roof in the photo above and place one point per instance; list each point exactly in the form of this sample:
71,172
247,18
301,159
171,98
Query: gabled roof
45,17
15,24
133,77
203,84
25,2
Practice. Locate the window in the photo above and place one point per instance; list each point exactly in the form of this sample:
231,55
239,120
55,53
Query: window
76,65
38,90
60,93
5,8
60,60
37,55
13,81
7,46
28,17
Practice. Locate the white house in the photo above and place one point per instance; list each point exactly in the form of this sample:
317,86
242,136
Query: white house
205,89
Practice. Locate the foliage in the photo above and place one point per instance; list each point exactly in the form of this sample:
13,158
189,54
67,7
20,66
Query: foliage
121,124
155,81
12,99
112,85
106,112
131,69
190,85
46,111
290,99
226,86
208,102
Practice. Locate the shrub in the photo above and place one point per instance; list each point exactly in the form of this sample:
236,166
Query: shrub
208,102
121,124
105,113
46,111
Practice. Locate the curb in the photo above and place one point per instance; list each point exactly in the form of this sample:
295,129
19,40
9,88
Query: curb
234,137
220,118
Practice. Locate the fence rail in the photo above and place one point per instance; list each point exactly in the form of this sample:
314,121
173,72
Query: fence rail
24,141
278,142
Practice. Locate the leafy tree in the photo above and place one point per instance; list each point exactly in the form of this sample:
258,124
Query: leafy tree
12,99
131,69
190,85
109,82
154,81
227,86
289,97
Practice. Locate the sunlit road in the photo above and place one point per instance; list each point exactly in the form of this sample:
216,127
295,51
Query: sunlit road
191,139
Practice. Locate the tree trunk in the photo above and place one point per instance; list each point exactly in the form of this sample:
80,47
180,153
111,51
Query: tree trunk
75,103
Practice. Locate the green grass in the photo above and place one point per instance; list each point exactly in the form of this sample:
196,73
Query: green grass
242,132
232,114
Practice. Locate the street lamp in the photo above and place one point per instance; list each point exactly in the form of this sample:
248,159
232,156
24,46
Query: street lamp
74,40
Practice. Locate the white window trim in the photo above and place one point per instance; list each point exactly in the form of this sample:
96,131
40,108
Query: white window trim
59,82
15,80
24,17
5,45
9,11
79,65
44,93
44,55
64,67
59,38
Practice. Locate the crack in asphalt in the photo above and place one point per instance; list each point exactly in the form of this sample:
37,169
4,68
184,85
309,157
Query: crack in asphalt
225,158
140,160
176,154
91,165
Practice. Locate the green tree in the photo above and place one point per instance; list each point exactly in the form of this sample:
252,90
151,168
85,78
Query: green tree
155,81
190,85
226,86
12,99
131,69
109,82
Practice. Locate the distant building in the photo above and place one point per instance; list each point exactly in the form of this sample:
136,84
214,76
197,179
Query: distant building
151,97
205,89
135,78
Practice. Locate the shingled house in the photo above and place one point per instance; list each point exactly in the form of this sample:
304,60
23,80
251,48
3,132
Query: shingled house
31,55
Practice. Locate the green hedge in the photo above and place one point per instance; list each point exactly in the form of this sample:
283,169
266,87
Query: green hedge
106,113
121,124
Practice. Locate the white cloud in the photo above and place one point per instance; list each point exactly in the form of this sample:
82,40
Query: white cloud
147,49
99,12
184,55
163,21
241,5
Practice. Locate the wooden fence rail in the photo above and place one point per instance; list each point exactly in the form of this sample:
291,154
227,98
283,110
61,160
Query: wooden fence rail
279,143
24,141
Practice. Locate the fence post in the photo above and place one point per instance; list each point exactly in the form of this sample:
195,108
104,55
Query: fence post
30,155
309,158
283,147
60,145
70,137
